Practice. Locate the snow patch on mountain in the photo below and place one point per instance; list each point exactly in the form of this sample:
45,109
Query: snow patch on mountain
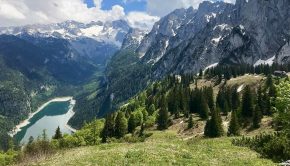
269,61
211,66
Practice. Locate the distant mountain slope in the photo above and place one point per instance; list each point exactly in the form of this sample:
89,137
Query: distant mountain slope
34,70
96,40
43,58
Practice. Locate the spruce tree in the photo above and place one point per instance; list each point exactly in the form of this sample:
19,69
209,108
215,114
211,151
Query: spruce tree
204,110
235,99
234,127
247,103
58,134
190,122
163,116
226,108
266,104
272,91
121,126
257,117
213,127
269,81
209,97
108,130
132,124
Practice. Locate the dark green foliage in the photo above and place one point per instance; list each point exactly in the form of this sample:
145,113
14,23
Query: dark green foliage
108,130
257,117
235,99
208,92
58,134
41,146
272,91
275,146
234,127
204,110
247,103
190,122
132,124
230,71
163,116
151,109
213,127
226,108
121,125
224,100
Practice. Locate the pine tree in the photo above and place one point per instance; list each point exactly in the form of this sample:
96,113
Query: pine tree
235,99
132,124
142,130
204,110
269,81
108,130
266,104
272,91
247,103
190,122
213,127
58,134
220,99
226,108
173,103
163,117
151,109
209,97
260,97
94,132
234,128
121,126
257,117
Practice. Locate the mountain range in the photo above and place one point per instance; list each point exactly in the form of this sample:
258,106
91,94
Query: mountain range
95,40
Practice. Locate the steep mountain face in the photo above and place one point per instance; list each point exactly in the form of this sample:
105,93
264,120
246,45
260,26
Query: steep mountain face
96,40
135,64
133,39
178,26
187,40
247,32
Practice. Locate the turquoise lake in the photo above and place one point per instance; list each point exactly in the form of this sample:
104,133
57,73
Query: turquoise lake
49,118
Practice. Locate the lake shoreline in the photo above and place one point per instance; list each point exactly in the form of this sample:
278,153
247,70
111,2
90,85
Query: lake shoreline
24,123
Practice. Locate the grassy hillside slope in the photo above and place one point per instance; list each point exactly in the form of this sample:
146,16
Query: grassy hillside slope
162,148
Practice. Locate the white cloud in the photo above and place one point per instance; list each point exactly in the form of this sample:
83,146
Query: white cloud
22,12
141,20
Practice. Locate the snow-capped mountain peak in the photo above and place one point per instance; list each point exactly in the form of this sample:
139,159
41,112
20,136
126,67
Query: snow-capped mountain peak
97,40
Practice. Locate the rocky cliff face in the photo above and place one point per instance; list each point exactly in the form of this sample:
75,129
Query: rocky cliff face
173,29
251,31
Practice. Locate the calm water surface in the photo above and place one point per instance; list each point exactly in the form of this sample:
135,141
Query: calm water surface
49,118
